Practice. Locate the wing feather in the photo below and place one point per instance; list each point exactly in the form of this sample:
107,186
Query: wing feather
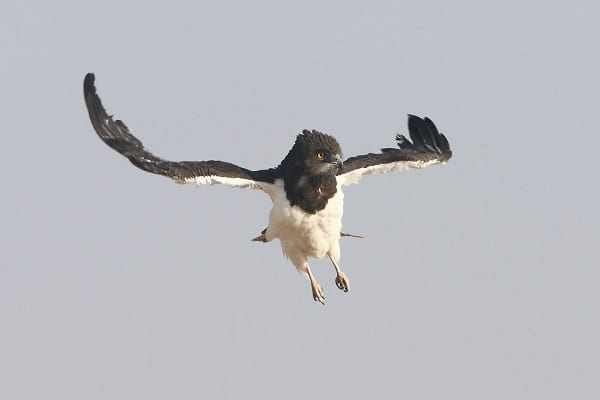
117,136
428,147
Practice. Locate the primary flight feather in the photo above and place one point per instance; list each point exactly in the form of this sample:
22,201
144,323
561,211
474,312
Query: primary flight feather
305,188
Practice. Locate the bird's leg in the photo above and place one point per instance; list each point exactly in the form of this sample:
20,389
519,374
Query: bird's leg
317,290
341,280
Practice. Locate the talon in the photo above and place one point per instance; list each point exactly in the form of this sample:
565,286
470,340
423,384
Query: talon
318,292
342,282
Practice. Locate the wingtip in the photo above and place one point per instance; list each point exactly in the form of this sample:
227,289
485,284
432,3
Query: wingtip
424,133
88,83
412,119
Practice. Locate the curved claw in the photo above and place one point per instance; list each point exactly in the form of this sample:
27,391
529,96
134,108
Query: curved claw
342,282
318,292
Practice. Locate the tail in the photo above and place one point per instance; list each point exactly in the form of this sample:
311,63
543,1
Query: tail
262,237
351,235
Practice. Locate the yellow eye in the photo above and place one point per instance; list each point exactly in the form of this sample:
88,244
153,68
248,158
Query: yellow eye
320,155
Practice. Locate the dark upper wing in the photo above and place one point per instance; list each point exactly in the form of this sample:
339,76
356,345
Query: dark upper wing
115,134
428,147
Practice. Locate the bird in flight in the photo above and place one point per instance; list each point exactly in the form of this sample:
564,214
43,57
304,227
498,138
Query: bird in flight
305,188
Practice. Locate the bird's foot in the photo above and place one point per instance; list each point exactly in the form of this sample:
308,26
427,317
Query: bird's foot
317,291
342,282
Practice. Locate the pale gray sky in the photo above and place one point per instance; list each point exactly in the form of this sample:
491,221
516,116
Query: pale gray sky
477,280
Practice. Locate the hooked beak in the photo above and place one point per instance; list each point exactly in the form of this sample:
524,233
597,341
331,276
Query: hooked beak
338,162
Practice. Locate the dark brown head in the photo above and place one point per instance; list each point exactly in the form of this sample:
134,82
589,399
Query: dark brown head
315,153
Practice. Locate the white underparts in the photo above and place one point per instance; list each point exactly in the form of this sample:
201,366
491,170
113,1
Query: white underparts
302,234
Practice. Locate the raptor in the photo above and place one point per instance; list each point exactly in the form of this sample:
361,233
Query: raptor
305,188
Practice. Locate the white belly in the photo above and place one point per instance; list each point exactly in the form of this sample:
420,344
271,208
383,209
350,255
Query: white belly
302,234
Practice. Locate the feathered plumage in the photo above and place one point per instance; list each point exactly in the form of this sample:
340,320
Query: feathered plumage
305,187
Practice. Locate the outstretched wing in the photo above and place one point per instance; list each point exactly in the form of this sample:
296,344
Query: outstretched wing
428,147
115,134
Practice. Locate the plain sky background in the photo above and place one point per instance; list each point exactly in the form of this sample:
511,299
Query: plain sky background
476,280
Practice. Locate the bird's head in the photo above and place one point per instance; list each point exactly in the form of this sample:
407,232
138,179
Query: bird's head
316,153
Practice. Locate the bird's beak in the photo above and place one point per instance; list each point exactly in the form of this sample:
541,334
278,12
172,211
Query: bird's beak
338,162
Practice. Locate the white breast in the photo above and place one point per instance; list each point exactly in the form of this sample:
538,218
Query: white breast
303,234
